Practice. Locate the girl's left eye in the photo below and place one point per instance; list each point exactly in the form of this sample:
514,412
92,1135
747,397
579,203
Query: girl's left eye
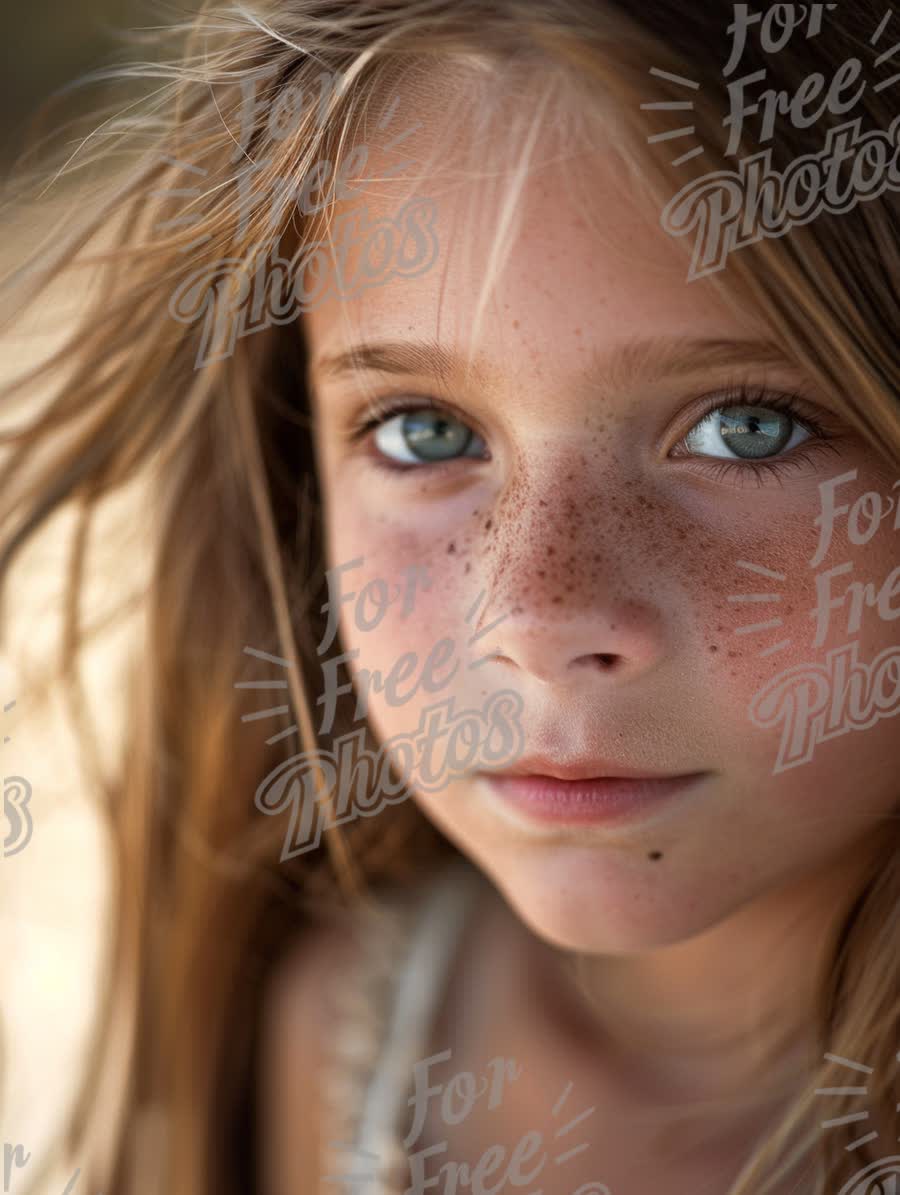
426,436
749,433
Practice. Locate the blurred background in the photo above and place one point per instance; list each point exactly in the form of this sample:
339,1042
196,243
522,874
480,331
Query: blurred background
54,890
49,43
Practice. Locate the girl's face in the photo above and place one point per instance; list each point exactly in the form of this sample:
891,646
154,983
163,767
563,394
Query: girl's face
574,498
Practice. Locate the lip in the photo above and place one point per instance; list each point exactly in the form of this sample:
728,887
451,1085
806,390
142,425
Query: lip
590,769
590,793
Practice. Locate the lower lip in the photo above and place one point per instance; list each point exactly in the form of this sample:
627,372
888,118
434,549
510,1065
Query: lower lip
611,799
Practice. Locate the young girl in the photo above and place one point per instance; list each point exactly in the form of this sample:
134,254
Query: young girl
517,386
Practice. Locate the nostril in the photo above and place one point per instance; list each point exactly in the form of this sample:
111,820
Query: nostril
604,660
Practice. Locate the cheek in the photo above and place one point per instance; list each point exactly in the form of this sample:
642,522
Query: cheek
792,655
756,611
415,651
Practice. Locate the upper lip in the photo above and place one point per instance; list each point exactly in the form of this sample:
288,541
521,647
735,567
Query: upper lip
589,769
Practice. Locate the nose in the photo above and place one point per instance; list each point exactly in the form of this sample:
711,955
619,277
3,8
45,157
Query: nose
570,598
610,640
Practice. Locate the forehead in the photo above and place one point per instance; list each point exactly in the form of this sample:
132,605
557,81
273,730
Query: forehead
545,234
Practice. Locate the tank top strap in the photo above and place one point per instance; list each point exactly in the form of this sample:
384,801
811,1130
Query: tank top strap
385,1009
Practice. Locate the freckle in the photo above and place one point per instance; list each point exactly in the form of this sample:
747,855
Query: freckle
731,655
655,855
712,647
451,547
488,524
468,567
515,323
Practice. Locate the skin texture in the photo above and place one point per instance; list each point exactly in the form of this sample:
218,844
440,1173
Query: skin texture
611,556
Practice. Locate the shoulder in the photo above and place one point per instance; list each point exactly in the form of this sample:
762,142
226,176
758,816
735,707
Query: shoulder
326,1011
298,1022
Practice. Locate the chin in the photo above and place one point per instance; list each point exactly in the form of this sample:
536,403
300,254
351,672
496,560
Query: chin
582,900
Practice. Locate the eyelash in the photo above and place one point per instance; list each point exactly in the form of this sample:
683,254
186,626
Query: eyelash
380,410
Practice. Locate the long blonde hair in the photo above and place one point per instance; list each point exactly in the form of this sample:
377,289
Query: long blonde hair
205,905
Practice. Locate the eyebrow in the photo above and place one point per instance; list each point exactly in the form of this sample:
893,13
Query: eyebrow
647,359
388,356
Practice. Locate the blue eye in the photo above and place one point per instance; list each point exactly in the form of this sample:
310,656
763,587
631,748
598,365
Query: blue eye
426,436
749,433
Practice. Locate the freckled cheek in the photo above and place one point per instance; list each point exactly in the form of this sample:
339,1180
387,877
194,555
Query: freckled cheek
865,599
752,625
760,641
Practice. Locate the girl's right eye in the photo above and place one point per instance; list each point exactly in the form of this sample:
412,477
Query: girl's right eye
426,435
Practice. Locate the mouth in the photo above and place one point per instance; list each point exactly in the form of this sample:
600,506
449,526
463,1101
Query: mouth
592,792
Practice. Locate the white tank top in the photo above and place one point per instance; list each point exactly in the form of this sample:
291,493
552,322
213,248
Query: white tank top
384,1011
